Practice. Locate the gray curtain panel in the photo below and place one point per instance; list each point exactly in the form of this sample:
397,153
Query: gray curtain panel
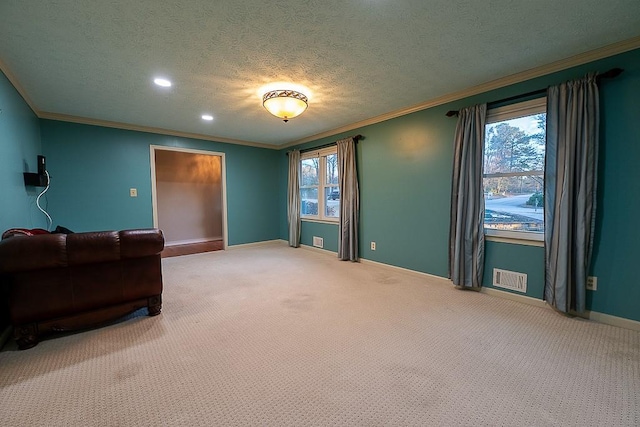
466,233
570,190
293,198
349,200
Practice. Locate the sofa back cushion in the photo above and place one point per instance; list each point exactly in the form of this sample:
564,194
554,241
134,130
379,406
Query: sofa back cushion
20,253
87,248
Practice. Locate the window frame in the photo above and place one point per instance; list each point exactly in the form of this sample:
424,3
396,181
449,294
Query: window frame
499,114
322,155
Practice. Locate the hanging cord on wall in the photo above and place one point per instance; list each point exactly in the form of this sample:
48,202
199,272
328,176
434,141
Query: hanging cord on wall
38,202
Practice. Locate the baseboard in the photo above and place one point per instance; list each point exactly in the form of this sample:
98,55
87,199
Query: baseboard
514,297
319,250
253,244
406,270
595,316
389,266
192,241
608,319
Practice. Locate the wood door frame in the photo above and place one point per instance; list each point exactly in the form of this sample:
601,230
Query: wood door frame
223,176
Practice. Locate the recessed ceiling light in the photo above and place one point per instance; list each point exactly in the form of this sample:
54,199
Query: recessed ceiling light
162,82
207,117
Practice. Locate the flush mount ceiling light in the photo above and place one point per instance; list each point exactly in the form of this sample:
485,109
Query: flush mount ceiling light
285,104
162,82
207,117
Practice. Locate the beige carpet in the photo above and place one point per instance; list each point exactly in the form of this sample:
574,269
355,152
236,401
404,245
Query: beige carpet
269,335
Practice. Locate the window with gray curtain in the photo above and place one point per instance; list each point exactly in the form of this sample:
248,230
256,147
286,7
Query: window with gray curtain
466,233
293,198
350,200
570,190
514,147
319,185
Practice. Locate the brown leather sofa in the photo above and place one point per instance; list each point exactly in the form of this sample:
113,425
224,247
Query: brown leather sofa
62,282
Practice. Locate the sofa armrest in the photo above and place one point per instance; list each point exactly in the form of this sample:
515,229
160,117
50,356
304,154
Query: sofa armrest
141,242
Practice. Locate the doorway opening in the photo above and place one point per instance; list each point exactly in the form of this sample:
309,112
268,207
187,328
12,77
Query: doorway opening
188,190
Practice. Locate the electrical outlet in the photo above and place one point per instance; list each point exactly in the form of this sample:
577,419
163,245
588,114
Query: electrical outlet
373,246
592,283
133,192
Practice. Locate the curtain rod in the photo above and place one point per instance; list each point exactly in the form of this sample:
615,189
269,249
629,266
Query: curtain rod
612,73
320,147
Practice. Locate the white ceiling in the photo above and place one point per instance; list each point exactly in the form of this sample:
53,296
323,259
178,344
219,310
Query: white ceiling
355,59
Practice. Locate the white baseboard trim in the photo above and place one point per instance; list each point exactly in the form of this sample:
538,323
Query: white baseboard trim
407,270
192,241
389,266
514,297
254,244
595,316
606,319
319,250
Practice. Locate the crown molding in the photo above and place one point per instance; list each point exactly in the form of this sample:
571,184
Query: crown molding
118,125
14,81
583,58
149,129
573,61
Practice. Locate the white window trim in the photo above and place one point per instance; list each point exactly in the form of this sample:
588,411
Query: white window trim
514,111
499,114
515,237
321,184
319,221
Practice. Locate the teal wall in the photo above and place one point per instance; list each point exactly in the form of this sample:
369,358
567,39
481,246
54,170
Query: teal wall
617,246
19,147
93,167
329,233
404,171
405,178
520,258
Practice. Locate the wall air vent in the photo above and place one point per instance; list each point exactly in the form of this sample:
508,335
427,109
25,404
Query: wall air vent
318,242
510,280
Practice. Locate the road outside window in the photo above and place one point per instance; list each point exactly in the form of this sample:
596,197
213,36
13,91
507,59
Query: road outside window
319,186
514,171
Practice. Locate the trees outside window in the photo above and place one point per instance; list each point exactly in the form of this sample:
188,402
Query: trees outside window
319,186
514,170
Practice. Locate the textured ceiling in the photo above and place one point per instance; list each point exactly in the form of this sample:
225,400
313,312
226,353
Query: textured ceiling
354,59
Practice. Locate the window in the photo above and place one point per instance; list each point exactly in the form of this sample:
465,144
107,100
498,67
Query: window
319,188
513,180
